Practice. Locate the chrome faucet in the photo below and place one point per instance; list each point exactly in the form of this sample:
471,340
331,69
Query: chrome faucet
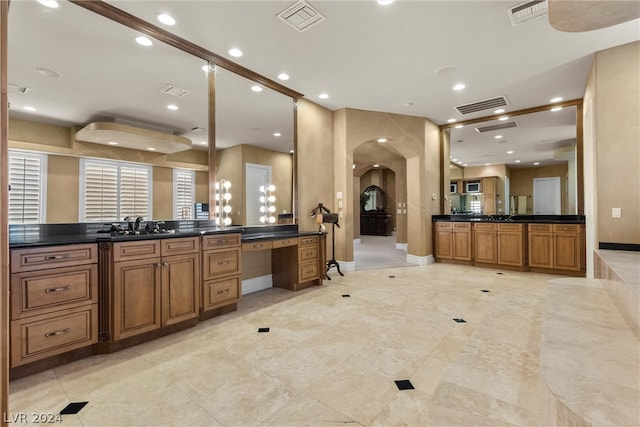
137,225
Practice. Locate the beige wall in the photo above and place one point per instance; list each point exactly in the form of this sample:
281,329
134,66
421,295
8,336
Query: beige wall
521,183
63,189
617,142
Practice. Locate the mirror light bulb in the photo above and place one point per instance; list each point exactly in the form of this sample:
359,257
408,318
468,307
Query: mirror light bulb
272,187
227,184
227,196
227,221
262,199
272,209
272,219
262,219
272,199
227,209
262,188
262,209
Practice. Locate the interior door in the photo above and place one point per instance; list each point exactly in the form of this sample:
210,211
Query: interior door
255,176
546,196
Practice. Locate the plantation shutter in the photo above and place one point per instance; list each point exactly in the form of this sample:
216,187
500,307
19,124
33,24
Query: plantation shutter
26,172
134,191
183,193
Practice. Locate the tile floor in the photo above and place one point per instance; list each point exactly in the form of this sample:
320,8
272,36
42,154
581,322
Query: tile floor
327,359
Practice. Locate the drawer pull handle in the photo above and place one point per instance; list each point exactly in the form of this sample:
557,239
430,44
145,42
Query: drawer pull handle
157,264
223,291
223,262
166,264
257,245
61,332
63,288
53,257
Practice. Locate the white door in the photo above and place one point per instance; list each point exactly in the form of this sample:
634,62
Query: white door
546,196
255,176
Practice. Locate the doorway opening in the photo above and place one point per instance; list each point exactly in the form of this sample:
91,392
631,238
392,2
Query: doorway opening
373,252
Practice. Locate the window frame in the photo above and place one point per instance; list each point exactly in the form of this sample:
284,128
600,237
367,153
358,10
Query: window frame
42,184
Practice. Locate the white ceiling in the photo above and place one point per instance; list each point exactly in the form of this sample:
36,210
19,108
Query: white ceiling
364,55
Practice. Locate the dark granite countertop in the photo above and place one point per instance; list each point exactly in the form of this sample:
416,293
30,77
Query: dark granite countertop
63,234
541,219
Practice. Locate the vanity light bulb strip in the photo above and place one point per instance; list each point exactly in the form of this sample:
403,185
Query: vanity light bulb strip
223,209
267,200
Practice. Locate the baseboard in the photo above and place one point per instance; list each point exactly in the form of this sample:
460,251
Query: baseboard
402,247
345,266
257,284
420,260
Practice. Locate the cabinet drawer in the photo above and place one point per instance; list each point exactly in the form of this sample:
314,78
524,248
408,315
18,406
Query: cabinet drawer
307,272
285,242
187,245
308,253
307,240
38,292
462,225
257,246
485,227
220,263
52,256
510,227
136,250
220,241
443,225
42,336
219,293
566,228
540,228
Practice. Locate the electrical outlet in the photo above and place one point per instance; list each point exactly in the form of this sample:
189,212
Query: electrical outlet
616,213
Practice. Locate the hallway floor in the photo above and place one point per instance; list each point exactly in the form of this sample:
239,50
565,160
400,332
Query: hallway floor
331,356
378,252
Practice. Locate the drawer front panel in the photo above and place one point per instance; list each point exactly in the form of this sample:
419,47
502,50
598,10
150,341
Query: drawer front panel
308,240
566,228
136,250
443,225
219,293
309,253
47,290
52,256
285,242
510,227
257,246
220,241
308,272
220,263
181,246
462,225
38,337
485,227
540,228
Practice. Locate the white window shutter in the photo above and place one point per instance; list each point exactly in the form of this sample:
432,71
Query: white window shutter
26,178
100,191
134,191
183,193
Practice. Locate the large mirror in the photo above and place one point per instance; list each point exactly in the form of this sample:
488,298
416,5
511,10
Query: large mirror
531,156
75,69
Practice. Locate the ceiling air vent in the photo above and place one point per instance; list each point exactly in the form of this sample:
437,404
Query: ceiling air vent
500,126
527,11
18,89
301,15
486,104
174,90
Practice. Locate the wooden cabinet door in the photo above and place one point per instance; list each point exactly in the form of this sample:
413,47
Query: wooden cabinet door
510,248
489,205
444,242
136,300
462,244
489,186
180,288
541,250
566,252
486,246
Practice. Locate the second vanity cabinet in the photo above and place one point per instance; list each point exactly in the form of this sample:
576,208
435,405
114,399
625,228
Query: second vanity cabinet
221,271
453,240
556,246
297,263
155,284
499,243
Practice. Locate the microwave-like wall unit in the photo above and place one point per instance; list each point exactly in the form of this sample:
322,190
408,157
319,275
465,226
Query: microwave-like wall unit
472,187
454,187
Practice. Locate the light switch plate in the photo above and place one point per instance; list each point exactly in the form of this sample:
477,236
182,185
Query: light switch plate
616,213
339,195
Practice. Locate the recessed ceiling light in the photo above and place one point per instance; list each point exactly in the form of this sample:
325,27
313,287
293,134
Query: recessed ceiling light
204,143
29,108
556,99
172,107
450,166
376,166
277,134
166,19
112,143
256,88
323,96
459,86
48,73
459,126
536,163
510,152
382,139
291,151
487,164
53,4
498,137
236,53
517,161
151,149
384,2
353,166
283,76
408,104
499,111
451,121
464,164
556,109
144,41
503,118
455,160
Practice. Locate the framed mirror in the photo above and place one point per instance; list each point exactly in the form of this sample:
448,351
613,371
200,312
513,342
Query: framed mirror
375,199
